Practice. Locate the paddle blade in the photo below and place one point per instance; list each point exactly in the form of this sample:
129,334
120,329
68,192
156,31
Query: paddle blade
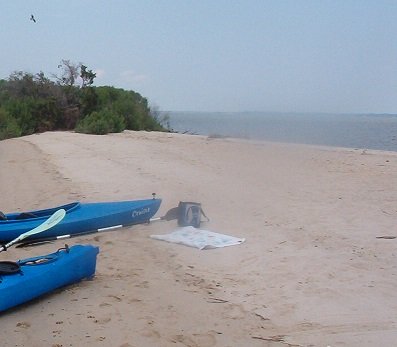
47,224
171,214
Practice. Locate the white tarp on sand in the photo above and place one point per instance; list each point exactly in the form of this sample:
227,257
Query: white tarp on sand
199,238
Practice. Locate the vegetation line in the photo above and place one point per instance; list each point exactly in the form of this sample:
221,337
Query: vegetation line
31,103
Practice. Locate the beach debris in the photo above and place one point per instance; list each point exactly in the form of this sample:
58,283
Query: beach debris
32,18
276,338
261,316
386,237
217,301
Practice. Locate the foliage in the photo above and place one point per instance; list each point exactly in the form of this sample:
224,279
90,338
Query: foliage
87,76
100,123
162,119
8,126
33,103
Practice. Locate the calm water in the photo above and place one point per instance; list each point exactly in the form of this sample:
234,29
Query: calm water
354,131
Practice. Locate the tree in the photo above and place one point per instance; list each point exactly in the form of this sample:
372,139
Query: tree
67,80
69,73
87,76
89,98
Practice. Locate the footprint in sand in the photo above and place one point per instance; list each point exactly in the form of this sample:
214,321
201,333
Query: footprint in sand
104,304
207,340
185,340
23,325
234,311
134,300
144,284
150,333
103,320
196,340
116,298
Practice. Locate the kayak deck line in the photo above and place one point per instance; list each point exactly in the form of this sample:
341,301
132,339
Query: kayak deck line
111,228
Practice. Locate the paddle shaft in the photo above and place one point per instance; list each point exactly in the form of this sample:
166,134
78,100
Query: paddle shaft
68,236
170,215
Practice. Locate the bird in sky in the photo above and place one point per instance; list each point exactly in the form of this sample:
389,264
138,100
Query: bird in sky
32,18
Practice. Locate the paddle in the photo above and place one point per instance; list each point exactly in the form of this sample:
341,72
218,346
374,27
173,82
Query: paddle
170,215
47,224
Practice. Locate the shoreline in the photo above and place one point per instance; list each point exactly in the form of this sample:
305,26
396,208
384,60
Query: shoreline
335,130
311,271
296,144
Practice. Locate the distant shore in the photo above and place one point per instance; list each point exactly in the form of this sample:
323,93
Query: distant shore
316,268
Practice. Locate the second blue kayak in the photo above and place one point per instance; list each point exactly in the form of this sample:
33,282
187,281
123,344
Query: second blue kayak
40,275
80,218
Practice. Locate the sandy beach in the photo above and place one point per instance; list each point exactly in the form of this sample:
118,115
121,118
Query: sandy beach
312,271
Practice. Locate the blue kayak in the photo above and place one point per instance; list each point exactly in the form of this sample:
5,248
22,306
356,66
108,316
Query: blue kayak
80,218
40,275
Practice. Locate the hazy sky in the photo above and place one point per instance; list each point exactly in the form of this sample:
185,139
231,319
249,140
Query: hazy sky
216,55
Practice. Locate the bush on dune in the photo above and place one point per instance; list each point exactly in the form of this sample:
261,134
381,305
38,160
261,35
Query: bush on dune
8,126
33,103
101,123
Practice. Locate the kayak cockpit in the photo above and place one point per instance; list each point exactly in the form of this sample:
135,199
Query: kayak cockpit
9,267
37,214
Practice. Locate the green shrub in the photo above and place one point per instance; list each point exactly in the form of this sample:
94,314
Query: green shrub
8,126
101,123
34,103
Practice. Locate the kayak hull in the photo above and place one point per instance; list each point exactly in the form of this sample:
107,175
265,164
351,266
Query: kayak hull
43,274
79,218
